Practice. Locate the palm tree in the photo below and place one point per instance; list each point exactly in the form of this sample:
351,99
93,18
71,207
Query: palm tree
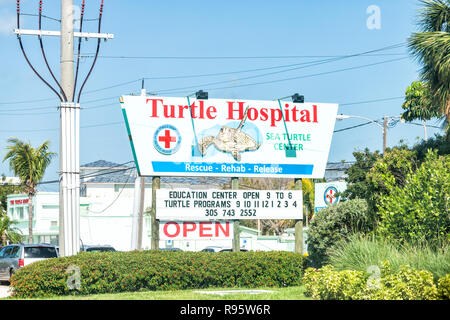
432,49
29,164
8,231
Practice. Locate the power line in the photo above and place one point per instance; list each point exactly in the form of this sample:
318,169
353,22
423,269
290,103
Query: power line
55,129
371,101
94,175
280,80
353,127
333,58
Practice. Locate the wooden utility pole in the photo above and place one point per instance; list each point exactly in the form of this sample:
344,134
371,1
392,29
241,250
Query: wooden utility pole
236,224
385,128
299,223
156,184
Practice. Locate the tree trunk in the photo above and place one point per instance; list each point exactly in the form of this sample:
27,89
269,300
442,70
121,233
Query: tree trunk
30,218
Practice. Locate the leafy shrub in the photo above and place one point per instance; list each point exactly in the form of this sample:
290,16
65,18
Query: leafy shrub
329,284
419,210
333,224
406,284
361,252
110,272
444,287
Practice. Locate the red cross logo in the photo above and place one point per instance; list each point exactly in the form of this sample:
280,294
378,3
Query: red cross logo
330,195
167,139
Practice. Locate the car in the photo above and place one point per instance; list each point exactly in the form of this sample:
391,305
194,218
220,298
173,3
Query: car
170,249
16,256
230,250
98,248
212,249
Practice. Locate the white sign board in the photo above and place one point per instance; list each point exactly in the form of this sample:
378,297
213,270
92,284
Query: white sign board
326,194
195,230
184,204
229,138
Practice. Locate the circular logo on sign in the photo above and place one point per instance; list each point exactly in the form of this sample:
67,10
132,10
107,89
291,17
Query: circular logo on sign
329,195
167,139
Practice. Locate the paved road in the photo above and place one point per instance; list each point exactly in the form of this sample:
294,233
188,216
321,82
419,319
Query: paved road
4,290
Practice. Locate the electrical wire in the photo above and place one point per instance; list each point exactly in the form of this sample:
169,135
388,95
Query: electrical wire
79,50
114,201
353,127
96,53
26,57
43,16
213,74
307,65
91,176
172,91
57,129
43,52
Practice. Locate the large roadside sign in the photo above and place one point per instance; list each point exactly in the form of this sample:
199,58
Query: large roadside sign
185,204
228,138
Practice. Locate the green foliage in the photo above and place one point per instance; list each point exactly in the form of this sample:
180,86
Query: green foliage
373,176
444,287
358,186
7,189
158,270
28,163
432,49
418,103
328,284
419,210
359,253
439,143
405,284
333,224
388,171
8,231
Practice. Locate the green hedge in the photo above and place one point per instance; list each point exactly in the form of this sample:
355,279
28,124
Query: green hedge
158,270
406,284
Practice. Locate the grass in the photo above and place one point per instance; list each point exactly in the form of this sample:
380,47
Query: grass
359,253
289,293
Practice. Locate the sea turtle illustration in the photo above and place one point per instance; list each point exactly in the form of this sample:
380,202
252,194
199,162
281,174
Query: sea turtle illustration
230,140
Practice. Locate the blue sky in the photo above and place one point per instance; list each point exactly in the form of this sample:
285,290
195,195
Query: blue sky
269,30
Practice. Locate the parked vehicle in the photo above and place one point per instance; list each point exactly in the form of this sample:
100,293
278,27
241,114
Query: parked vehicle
212,249
219,249
230,250
98,248
16,256
170,249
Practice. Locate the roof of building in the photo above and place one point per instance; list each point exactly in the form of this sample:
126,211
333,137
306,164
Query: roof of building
129,176
336,170
100,164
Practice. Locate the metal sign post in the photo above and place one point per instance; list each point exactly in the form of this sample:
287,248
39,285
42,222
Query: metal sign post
156,183
236,233
298,224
